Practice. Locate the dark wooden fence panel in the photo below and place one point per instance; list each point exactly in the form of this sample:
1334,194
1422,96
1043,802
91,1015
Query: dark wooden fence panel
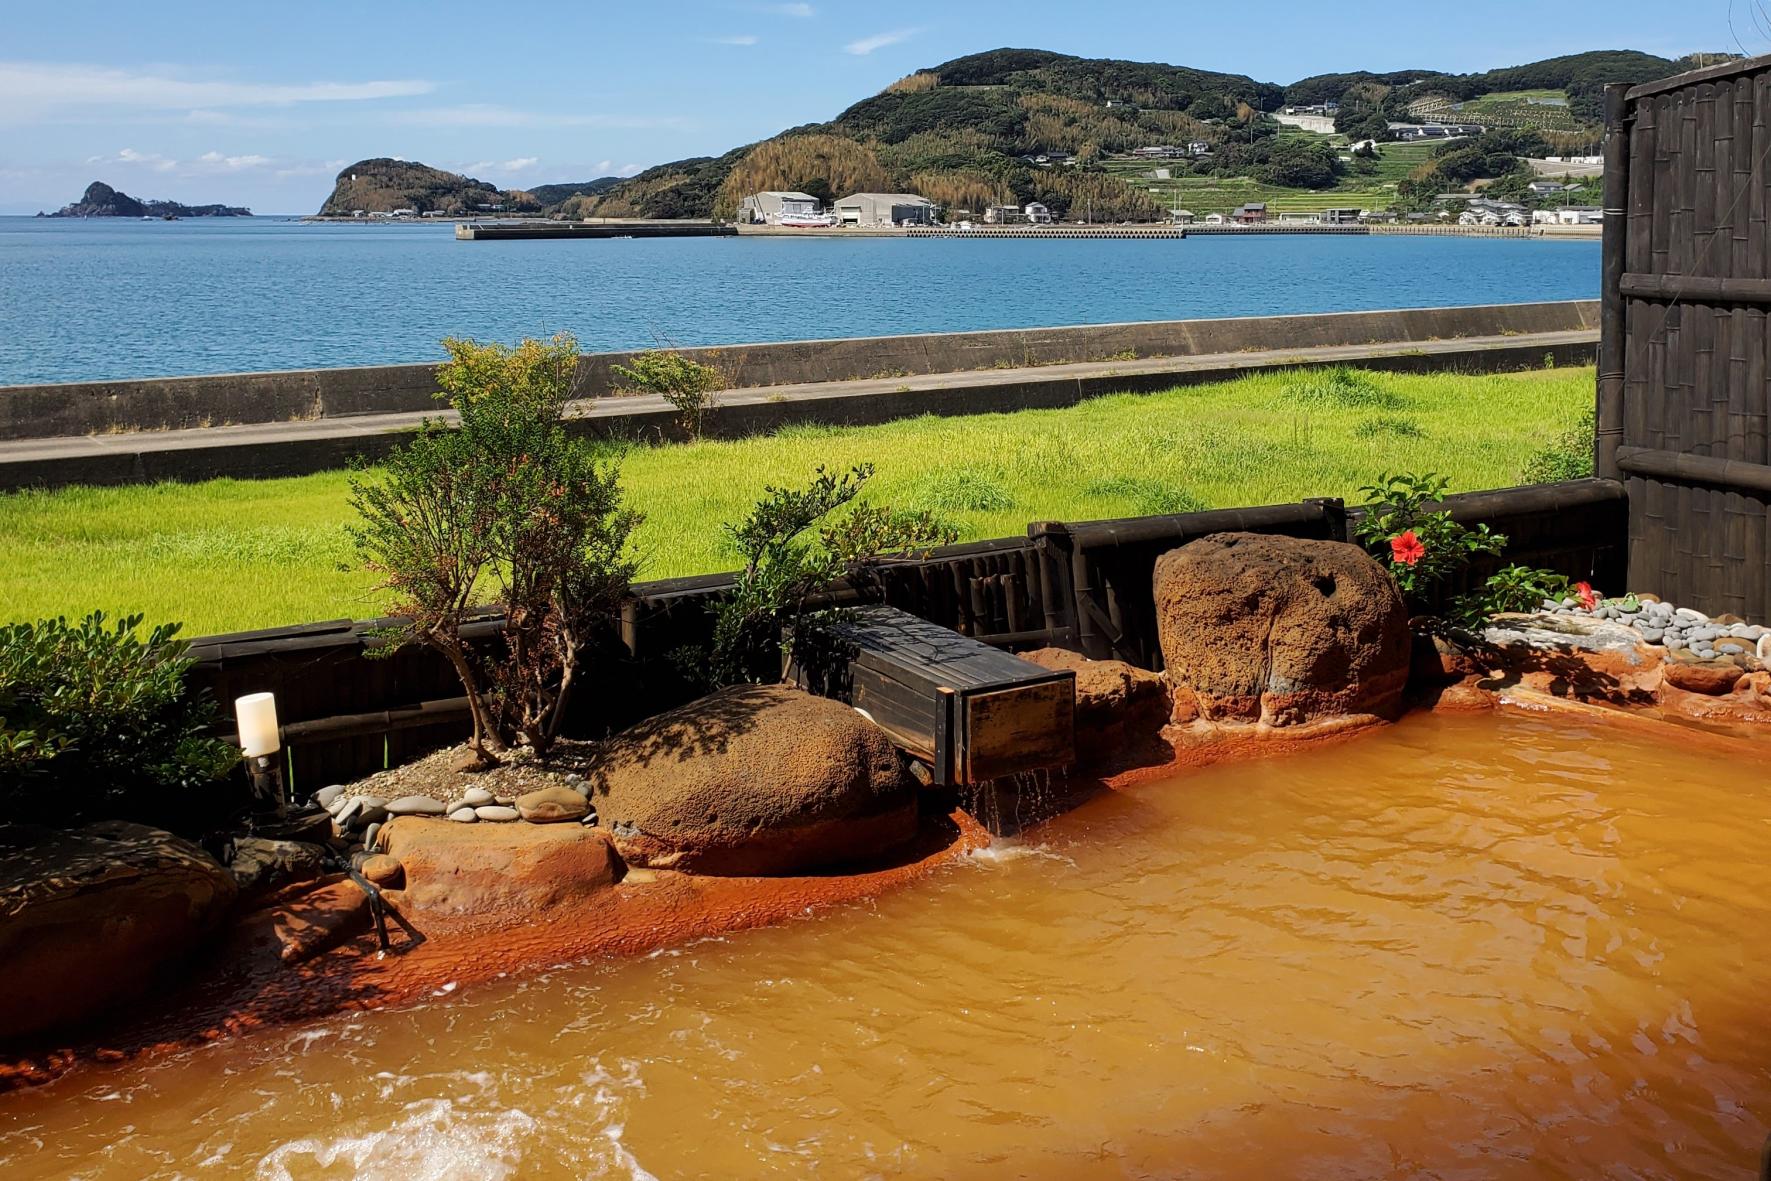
348,707
1685,362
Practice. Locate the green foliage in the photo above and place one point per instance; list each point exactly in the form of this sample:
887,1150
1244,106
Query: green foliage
686,384
1511,588
1420,546
1341,386
1149,497
1568,456
503,511
1388,426
769,612
961,491
97,722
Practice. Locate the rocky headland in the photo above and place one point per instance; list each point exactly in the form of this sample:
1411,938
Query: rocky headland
101,200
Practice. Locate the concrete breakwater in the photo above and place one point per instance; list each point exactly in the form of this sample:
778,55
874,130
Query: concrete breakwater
101,408
513,229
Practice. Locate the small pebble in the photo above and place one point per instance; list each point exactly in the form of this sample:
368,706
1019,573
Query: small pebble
369,835
463,815
476,797
1698,635
1688,614
495,812
1673,643
1652,634
326,795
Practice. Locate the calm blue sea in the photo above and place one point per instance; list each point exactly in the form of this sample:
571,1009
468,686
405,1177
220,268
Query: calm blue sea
88,300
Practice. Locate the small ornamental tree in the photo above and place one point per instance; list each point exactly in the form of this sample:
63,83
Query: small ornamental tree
1420,547
769,612
504,511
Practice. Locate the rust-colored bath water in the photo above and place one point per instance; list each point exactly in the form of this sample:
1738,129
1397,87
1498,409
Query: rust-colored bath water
1464,947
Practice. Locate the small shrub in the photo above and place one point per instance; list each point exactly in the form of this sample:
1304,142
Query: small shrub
951,491
1149,497
1389,426
1420,547
767,613
504,511
1512,588
1568,456
1342,387
686,384
97,722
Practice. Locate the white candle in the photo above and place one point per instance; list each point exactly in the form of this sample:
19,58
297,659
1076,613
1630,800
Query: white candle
256,716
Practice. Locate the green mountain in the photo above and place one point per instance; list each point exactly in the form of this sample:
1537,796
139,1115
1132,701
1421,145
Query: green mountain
1012,126
960,133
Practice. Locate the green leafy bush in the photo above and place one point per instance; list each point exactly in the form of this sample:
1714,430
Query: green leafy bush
686,384
503,511
97,722
769,611
1512,588
1421,547
1568,456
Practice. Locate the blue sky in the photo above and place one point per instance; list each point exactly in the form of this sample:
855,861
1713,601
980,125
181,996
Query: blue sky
251,104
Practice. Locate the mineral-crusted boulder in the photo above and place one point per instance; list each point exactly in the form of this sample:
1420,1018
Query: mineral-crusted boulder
758,779
1280,630
92,916
1712,678
1575,656
462,870
1117,704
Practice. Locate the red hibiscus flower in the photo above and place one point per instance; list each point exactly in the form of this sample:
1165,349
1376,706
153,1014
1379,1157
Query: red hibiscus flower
1589,598
1406,549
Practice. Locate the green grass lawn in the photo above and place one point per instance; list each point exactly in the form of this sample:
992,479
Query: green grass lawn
235,554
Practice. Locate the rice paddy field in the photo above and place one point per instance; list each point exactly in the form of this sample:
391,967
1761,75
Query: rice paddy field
1221,194
230,555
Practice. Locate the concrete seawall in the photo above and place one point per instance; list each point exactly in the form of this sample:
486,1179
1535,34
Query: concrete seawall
190,403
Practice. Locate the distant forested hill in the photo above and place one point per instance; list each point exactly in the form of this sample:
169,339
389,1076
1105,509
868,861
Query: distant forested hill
970,133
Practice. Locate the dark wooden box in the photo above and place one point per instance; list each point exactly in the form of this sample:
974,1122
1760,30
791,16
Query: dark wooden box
971,712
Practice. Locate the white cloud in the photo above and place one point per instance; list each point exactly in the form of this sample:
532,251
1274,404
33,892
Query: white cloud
867,45
31,90
520,164
488,115
734,39
802,11
132,158
232,163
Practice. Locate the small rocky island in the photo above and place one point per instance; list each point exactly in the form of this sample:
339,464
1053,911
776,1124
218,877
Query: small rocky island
101,200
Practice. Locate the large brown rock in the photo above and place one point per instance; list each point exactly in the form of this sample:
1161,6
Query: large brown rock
91,917
1117,704
464,870
758,779
1280,630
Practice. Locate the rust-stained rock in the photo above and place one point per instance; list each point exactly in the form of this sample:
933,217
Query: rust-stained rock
757,779
91,917
383,870
1280,630
1712,678
301,925
1574,656
458,870
1117,704
551,805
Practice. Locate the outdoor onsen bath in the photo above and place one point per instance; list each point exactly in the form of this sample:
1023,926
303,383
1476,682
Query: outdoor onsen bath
1387,828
